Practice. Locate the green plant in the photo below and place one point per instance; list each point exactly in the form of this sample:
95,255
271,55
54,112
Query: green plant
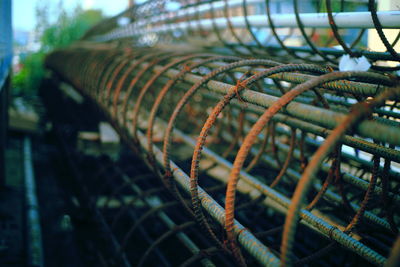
67,28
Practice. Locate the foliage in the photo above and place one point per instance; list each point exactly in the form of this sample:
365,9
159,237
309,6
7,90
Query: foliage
28,79
67,28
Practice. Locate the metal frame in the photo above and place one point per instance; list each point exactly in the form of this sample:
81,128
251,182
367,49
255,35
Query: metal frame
5,80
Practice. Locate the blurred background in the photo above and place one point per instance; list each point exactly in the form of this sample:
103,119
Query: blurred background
40,26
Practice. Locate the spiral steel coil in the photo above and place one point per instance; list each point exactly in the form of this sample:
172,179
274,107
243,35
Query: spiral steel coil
314,148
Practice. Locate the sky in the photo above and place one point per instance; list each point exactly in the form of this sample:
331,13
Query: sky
24,10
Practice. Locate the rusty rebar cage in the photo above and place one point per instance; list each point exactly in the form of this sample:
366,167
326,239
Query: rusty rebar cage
312,146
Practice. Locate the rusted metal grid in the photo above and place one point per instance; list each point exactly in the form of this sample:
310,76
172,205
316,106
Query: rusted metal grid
312,145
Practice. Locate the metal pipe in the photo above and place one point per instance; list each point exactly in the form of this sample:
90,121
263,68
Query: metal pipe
363,20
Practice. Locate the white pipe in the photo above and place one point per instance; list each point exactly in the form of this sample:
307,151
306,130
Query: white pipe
358,20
